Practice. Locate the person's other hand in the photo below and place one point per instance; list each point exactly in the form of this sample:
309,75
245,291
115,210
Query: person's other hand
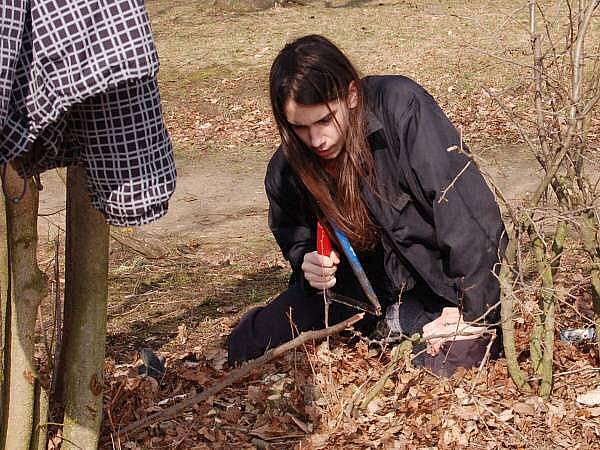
319,270
450,324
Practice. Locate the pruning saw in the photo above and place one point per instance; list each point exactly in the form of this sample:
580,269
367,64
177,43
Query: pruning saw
324,248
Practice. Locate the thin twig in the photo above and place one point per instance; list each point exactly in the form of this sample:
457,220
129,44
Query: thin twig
58,314
51,213
571,372
485,359
503,423
397,356
451,185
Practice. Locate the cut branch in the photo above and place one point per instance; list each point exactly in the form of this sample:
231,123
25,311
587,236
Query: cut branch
397,354
241,372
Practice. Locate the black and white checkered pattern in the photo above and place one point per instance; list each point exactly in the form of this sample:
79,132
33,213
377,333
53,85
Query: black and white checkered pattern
78,86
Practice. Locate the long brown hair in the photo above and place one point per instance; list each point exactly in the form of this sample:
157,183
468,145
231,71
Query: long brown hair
312,70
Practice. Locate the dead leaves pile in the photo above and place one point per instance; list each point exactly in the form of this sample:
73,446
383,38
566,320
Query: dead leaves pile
310,399
233,130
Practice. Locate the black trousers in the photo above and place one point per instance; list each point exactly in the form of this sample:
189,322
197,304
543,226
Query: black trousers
295,310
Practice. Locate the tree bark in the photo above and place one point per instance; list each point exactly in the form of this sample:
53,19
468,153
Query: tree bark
4,322
535,341
27,288
506,317
39,438
542,338
84,337
590,233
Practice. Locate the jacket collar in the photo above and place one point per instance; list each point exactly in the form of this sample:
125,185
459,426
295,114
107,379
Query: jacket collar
373,123
375,133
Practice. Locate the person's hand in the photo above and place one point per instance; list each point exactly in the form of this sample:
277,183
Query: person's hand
319,270
449,324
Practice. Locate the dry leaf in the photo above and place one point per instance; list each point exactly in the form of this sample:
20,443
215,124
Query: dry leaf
255,394
182,334
314,413
319,441
471,428
537,403
324,354
590,398
594,412
183,355
463,397
232,414
217,358
208,434
555,414
505,415
374,405
194,375
306,428
524,409
467,412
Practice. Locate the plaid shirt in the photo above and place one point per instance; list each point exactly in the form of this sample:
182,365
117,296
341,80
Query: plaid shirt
78,86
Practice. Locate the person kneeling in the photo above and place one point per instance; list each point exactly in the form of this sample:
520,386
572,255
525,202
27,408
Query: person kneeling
373,156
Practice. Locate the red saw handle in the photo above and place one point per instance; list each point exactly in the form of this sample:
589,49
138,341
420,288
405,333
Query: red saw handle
323,242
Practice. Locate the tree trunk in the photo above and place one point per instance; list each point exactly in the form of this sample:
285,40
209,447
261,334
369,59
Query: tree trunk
39,438
4,322
506,316
535,342
85,315
27,286
542,339
590,233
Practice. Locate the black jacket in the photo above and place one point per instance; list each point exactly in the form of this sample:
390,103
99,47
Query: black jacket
437,226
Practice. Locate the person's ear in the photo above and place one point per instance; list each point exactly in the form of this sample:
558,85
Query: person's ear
352,95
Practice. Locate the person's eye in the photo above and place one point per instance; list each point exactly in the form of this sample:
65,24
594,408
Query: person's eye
325,120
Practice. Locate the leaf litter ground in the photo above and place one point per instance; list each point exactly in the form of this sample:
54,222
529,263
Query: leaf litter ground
308,398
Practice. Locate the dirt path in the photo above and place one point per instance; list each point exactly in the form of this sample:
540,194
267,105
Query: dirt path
213,200
220,203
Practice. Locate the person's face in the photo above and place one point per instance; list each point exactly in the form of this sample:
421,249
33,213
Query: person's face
322,126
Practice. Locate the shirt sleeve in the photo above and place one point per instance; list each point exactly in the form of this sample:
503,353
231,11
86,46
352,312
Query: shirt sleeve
290,219
467,221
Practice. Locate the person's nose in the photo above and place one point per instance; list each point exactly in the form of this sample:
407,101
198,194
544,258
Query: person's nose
316,137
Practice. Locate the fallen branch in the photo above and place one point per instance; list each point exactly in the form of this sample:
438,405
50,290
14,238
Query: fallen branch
240,373
398,353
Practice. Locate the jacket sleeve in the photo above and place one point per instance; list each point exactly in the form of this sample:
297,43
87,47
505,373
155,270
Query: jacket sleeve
290,218
466,218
